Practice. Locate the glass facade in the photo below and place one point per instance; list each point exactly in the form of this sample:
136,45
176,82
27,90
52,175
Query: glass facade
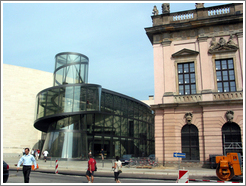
79,117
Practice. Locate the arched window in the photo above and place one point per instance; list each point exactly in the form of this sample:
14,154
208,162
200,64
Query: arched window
190,142
231,137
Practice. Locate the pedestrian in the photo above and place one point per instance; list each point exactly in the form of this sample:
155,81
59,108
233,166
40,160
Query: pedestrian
38,153
91,168
45,153
32,152
102,154
117,167
27,161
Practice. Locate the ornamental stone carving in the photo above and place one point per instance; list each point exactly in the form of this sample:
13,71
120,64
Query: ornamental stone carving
199,5
229,116
155,11
188,117
165,8
222,45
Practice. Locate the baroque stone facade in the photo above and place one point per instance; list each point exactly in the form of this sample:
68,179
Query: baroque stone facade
198,71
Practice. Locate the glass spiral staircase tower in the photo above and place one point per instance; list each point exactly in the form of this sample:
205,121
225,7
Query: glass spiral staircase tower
78,117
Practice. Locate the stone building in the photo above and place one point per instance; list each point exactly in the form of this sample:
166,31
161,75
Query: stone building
198,74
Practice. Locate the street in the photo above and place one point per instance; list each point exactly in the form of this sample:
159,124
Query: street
38,177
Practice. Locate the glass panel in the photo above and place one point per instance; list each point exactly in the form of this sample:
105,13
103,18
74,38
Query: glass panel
181,80
185,141
225,75
130,109
124,126
193,89
187,89
194,153
187,80
226,86
230,64
217,65
220,89
181,90
192,68
186,68
192,78
233,86
68,99
72,58
108,125
130,128
41,104
224,65
231,75
61,60
180,68
59,77
116,125
76,101
136,129
116,144
219,78
186,150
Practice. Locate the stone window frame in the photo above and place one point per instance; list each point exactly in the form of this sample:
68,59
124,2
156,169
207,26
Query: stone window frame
222,56
183,60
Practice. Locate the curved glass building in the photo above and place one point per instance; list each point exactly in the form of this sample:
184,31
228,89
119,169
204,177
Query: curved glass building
78,117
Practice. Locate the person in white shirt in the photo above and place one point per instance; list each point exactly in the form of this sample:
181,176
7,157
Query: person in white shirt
117,166
27,160
45,153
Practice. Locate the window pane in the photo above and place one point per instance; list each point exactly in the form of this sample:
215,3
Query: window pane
181,80
224,66
230,64
180,68
217,64
225,75
220,87
181,90
193,89
231,75
218,73
226,86
233,86
186,69
192,68
187,80
187,89
192,78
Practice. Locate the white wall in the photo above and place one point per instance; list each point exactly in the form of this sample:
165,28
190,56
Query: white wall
19,89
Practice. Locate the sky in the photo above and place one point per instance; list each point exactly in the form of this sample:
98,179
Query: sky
111,34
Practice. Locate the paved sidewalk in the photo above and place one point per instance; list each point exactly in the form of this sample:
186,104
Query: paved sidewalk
105,169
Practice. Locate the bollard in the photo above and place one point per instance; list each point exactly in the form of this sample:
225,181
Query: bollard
56,169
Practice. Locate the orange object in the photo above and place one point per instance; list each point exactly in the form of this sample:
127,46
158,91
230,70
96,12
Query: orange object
34,166
228,166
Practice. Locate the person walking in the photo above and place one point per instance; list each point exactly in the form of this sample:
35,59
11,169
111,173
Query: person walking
117,166
91,168
27,161
102,154
45,153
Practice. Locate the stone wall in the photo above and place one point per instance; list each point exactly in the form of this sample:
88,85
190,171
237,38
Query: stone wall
20,86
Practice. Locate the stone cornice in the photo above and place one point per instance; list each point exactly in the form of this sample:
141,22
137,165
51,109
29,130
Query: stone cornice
197,104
